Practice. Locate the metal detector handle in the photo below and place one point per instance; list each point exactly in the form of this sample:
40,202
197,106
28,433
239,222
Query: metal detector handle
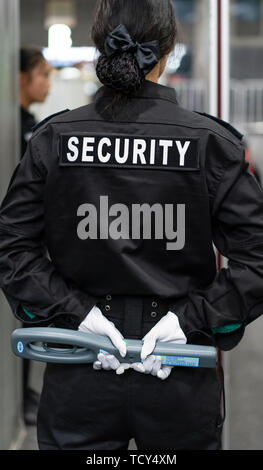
85,348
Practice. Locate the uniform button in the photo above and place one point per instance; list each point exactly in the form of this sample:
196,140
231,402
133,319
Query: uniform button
107,307
108,297
154,304
153,314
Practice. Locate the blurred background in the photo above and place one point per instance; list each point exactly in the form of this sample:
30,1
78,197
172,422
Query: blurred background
214,69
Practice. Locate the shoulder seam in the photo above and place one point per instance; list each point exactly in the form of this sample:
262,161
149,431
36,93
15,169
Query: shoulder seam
44,122
236,143
226,125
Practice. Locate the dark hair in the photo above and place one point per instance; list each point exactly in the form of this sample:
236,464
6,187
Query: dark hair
145,20
30,57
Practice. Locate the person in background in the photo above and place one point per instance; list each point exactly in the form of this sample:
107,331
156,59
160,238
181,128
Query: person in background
34,85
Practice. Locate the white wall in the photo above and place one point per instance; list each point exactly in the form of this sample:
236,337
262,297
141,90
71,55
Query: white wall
10,367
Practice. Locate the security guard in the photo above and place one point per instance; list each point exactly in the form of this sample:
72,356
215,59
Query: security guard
34,85
130,195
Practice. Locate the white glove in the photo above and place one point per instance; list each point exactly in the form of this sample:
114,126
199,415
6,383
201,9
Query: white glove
110,362
95,322
151,365
168,330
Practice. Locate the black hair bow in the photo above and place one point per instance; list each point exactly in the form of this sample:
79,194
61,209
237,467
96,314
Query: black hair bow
147,53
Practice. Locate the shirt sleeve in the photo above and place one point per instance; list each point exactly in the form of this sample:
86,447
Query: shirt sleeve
235,297
35,290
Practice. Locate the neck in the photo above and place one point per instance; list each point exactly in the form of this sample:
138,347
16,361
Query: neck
154,74
152,77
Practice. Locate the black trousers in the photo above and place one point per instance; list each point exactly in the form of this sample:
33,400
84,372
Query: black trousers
84,409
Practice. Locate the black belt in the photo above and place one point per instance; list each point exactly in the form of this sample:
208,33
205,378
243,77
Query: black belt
133,310
151,308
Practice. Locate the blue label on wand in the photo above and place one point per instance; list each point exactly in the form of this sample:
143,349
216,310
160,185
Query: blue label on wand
20,347
101,351
183,361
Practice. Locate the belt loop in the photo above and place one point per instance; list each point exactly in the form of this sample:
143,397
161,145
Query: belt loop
133,308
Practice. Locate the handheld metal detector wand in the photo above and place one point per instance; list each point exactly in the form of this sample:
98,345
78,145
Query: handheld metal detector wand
83,348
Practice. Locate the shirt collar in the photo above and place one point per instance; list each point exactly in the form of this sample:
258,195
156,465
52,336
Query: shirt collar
149,90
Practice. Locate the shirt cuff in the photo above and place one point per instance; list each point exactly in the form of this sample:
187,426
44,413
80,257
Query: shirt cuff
30,315
229,340
227,328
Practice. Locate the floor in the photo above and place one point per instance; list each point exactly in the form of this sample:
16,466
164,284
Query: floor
244,388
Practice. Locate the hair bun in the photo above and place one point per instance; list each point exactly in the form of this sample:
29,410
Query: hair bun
120,72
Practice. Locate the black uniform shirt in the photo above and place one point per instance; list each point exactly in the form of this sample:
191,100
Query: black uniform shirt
134,206
28,121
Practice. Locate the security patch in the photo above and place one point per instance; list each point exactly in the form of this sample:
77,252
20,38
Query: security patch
129,151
